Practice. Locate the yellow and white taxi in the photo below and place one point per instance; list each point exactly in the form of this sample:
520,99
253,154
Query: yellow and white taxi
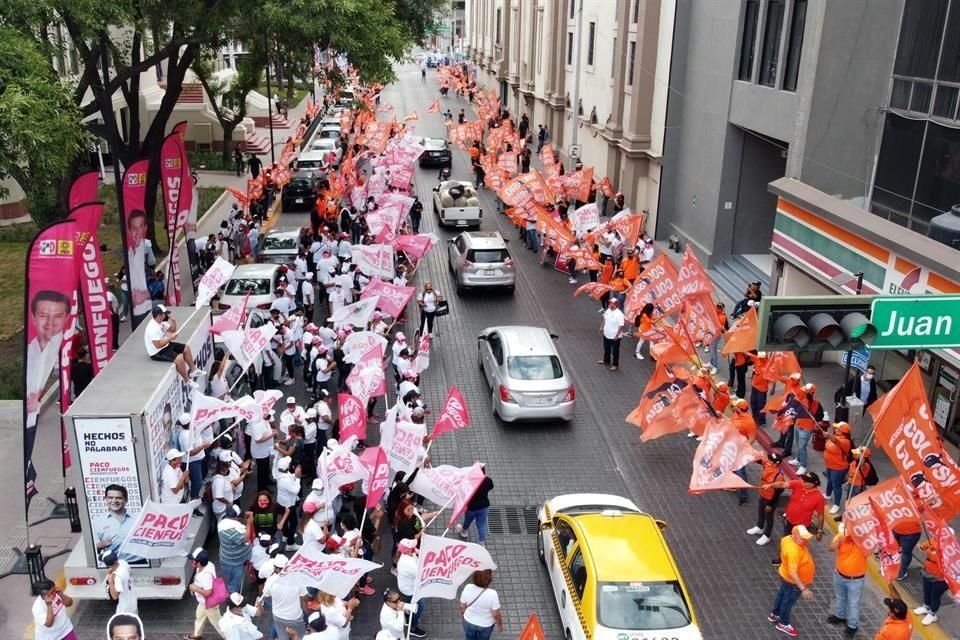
612,574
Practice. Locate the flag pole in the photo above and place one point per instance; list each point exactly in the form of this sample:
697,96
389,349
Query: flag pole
438,513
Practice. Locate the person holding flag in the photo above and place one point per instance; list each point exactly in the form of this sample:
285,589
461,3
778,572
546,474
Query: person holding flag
934,585
805,506
477,510
848,580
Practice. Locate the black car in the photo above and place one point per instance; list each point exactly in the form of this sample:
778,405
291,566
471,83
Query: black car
436,153
301,192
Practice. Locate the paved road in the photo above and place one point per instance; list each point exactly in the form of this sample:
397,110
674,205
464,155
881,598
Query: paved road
731,581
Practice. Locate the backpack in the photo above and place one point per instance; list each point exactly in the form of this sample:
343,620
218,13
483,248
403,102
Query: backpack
870,477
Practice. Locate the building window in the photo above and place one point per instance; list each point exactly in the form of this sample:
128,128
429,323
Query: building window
798,20
591,42
631,57
497,26
635,14
613,62
539,42
749,41
573,8
921,32
569,48
770,53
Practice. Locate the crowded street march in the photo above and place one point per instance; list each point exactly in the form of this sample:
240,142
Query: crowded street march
304,440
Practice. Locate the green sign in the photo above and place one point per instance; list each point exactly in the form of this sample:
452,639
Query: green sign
916,322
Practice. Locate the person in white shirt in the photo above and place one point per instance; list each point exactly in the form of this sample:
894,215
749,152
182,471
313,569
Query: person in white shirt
119,584
647,254
378,325
172,478
318,629
399,344
345,280
480,606
137,261
337,614
391,617
307,295
336,297
237,621
300,267
194,446
201,588
316,528
49,311
323,367
324,415
159,340
50,617
407,580
288,493
293,414
287,601
221,489
400,279
282,303
344,248
611,327
427,301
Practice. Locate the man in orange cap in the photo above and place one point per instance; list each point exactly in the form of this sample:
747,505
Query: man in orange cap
721,398
861,473
796,574
806,424
836,457
744,423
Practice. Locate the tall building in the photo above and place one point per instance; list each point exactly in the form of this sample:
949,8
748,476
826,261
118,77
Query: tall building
593,73
813,140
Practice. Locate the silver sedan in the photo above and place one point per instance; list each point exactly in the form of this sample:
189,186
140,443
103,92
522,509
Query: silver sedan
525,374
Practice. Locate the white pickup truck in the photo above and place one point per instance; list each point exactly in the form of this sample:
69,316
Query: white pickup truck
456,204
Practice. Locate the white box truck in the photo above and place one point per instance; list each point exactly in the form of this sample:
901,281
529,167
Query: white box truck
120,429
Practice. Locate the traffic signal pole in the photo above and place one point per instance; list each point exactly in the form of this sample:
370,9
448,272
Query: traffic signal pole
846,370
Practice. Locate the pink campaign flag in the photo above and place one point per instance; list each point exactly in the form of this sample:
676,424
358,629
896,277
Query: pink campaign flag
207,410
444,564
232,320
415,246
422,360
374,459
341,466
159,531
366,378
245,346
353,417
93,285
215,277
722,451
83,189
393,299
454,415
358,343
336,574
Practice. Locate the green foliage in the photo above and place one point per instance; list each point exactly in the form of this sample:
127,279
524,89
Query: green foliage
421,17
40,125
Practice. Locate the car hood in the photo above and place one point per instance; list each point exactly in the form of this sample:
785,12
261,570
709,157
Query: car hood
689,632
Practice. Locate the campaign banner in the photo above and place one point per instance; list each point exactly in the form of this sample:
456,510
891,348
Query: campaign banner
393,299
444,564
422,360
232,319
93,285
454,415
374,260
245,346
892,500
215,277
359,343
353,417
721,452
692,279
177,188
402,441
341,466
206,410
160,531
594,289
135,234
336,575
83,189
366,378
657,284
374,460
50,309
698,318
111,483
416,246
586,218
357,314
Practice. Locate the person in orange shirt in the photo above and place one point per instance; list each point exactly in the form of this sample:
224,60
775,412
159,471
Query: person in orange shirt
759,388
738,372
897,625
837,457
934,586
769,497
744,423
620,286
796,574
907,534
860,469
644,322
606,275
630,265
714,347
848,580
721,399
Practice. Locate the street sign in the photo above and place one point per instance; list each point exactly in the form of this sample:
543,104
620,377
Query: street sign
861,358
574,151
916,322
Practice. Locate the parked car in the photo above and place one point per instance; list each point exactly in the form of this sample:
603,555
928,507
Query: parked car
310,160
260,280
325,147
480,259
328,131
436,153
455,203
611,571
301,192
525,374
280,246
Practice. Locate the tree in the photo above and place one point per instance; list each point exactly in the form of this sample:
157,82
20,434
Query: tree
41,134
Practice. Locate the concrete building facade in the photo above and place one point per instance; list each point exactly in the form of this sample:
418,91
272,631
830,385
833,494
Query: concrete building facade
594,73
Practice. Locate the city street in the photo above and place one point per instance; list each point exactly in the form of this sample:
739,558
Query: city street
730,579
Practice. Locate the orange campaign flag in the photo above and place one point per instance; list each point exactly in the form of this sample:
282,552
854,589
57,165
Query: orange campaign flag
661,382
413,115
532,630
240,196
657,284
548,158
722,451
742,336
434,107
949,555
594,289
893,501
698,318
904,427
693,278
673,414
780,366
889,547
677,353
605,187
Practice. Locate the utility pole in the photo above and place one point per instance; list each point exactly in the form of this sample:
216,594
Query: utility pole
576,86
266,48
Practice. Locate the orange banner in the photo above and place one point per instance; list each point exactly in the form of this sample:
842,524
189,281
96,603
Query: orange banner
893,500
742,336
657,284
693,278
722,451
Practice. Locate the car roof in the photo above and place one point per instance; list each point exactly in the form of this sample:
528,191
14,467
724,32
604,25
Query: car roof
434,142
310,155
484,239
328,127
285,231
324,142
524,340
254,271
626,547
446,184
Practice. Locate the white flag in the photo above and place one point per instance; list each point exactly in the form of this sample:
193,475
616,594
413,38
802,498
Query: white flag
445,564
405,442
245,346
341,466
357,314
336,575
215,277
207,410
160,531
359,343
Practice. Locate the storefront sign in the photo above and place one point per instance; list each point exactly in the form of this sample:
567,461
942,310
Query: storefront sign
916,322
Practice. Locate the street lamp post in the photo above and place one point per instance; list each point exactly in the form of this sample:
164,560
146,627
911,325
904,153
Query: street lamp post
266,48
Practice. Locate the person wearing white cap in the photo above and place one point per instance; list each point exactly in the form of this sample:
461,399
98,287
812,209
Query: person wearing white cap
172,478
307,295
324,414
159,340
399,344
286,602
293,414
407,580
193,445
237,621
259,555
288,493
202,588
220,487
323,367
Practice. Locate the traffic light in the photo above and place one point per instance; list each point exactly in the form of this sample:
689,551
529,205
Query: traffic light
814,323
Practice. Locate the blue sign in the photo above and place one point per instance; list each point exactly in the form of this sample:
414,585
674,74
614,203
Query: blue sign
861,358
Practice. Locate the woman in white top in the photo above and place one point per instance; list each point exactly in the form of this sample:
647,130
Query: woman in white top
391,617
427,301
201,588
480,607
237,621
337,613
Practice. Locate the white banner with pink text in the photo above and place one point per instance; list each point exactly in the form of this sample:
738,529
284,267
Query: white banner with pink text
445,564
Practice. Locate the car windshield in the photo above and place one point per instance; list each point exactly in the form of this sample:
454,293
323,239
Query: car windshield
330,133
308,164
324,145
433,144
488,255
300,183
281,243
642,605
534,367
240,286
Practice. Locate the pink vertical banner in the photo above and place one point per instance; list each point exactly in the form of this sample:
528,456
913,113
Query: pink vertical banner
177,188
135,232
